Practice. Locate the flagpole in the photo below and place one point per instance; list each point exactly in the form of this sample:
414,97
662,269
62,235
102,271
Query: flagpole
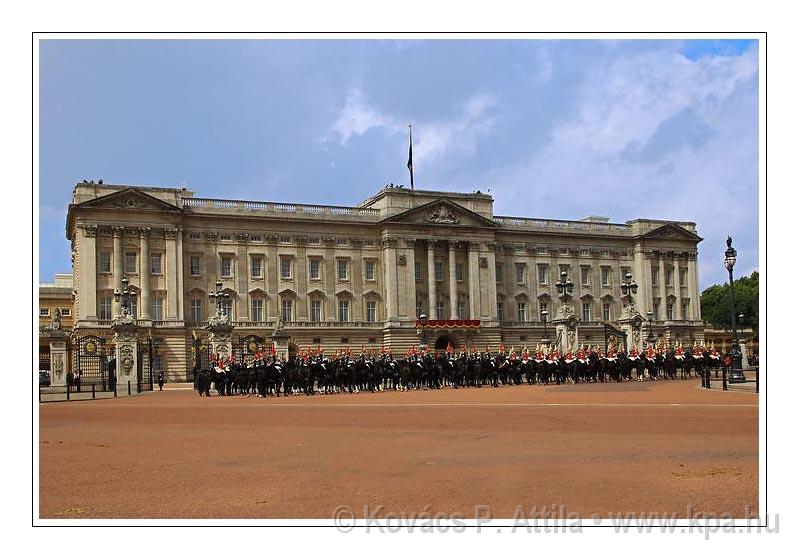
410,159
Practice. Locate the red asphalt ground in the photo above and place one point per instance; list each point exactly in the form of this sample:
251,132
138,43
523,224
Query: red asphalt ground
589,449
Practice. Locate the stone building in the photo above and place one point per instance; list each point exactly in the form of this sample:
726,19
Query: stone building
55,308
351,276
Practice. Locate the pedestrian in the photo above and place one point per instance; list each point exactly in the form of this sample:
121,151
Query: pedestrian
78,380
161,380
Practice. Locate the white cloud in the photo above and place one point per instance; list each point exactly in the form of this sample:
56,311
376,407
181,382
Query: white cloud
458,135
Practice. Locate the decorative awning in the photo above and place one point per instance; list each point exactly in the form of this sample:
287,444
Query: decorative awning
449,324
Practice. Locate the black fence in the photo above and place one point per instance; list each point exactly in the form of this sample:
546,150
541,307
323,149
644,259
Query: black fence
87,391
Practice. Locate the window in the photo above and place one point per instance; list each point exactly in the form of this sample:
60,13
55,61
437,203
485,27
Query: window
606,276
656,303
194,265
500,311
316,310
623,271
105,262
257,310
130,263
155,263
369,271
586,311
543,275
344,310
654,276
520,311
286,268
105,308
685,311
440,310
372,340
419,308
157,308
371,316
520,268
256,267
341,269
682,277
286,310
438,268
461,309
417,273
196,310
227,308
606,312
226,267
44,312
668,278
459,272
134,307
314,269
66,312
670,307
584,276
498,273
542,310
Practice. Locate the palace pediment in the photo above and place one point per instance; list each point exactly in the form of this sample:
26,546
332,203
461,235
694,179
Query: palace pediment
441,212
671,232
129,199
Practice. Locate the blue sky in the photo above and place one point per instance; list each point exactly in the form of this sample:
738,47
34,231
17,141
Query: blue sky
557,129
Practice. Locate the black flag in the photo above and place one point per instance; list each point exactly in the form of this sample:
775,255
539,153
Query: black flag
410,159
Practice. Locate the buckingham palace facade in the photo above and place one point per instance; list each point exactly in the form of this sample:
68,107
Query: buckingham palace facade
341,277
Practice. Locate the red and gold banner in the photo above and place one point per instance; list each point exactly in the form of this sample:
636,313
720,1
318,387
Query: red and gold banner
449,324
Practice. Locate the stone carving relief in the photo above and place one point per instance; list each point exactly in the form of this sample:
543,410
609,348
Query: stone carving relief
126,355
443,215
58,365
401,260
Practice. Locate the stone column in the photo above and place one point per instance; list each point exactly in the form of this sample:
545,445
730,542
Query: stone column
676,288
431,279
474,281
640,277
126,342
694,295
242,274
390,277
491,288
171,274
451,268
116,278
410,295
87,257
179,258
662,291
144,274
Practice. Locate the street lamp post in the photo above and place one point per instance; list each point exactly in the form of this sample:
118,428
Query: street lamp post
423,320
629,287
730,262
651,338
564,286
545,337
218,297
125,297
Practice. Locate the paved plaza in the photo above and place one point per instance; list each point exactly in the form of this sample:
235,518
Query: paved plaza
591,449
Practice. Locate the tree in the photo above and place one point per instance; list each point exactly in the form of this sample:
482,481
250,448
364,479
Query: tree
715,303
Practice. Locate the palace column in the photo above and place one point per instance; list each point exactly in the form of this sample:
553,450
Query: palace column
431,279
662,291
410,294
179,257
474,281
676,287
451,268
694,296
87,257
642,278
144,275
390,277
172,274
116,278
491,284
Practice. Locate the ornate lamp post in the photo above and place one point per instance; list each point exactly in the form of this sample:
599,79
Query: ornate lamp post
564,287
545,337
126,339
218,297
423,339
736,352
629,287
651,338
124,297
219,327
